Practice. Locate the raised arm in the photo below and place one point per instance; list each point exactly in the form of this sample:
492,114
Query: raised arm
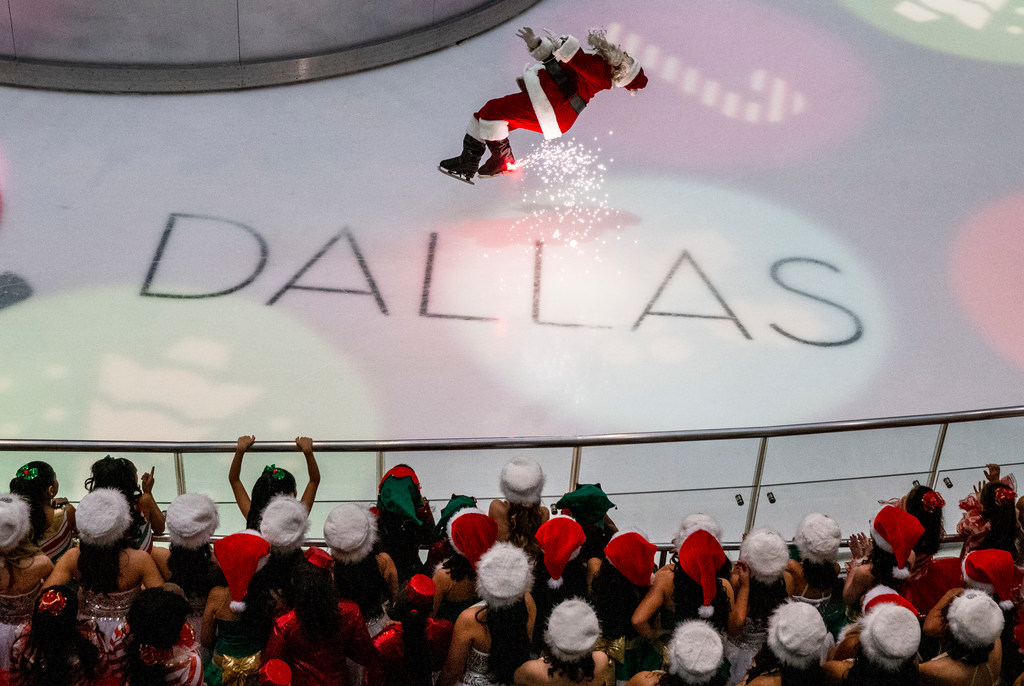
305,444
662,588
147,504
235,473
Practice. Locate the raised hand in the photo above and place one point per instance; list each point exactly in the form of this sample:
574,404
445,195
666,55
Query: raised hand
529,37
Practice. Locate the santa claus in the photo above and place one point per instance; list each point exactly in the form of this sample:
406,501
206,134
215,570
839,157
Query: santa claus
552,95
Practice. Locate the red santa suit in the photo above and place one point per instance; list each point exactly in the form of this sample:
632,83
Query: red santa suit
543,107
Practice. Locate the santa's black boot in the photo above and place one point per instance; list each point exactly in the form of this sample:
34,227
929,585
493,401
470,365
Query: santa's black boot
500,161
465,165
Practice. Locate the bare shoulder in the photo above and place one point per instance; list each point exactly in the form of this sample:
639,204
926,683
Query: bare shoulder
498,508
532,673
645,679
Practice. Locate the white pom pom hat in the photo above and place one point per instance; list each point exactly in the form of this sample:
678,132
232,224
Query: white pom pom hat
693,522
350,532
817,538
766,554
572,630
285,522
975,620
191,520
890,635
522,480
14,521
103,517
695,652
503,575
796,634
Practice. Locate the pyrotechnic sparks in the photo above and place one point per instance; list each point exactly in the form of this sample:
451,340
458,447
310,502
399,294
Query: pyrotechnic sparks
564,197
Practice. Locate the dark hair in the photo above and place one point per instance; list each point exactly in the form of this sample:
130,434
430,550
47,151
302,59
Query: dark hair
459,567
574,585
99,567
766,662
961,653
56,644
882,565
688,597
510,642
400,538
763,599
362,583
193,570
577,670
155,620
864,673
120,474
276,481
670,679
1002,517
315,601
931,539
418,665
820,575
34,491
615,599
523,522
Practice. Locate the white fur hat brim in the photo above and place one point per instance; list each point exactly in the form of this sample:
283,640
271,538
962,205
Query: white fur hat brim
350,532
522,480
285,522
817,538
766,554
975,619
503,575
103,517
192,518
14,521
796,634
572,630
695,652
693,522
890,636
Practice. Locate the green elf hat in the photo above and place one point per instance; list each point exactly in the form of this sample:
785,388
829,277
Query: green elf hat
399,493
587,504
458,502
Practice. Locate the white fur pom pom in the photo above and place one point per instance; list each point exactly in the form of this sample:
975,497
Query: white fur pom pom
898,573
1005,605
237,606
706,611
554,583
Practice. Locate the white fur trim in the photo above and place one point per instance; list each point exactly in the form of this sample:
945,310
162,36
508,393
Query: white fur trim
285,522
542,51
350,532
568,47
555,583
503,575
796,634
879,541
898,573
522,480
237,606
191,520
695,652
627,77
975,620
766,554
706,611
473,129
890,636
572,630
103,517
817,538
491,130
694,522
1005,605
541,105
14,521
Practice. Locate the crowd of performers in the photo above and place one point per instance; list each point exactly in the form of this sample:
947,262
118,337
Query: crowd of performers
521,594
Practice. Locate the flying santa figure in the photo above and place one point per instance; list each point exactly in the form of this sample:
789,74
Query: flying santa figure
552,95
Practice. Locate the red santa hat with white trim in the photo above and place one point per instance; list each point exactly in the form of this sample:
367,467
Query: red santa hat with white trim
700,558
897,532
561,539
472,533
882,595
240,556
633,555
993,572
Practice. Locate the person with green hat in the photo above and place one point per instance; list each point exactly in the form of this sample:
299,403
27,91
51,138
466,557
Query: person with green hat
589,506
404,520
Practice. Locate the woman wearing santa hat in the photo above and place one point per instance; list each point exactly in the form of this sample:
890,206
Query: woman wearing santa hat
569,658
621,580
886,651
887,562
973,652
694,657
492,639
560,572
520,514
816,573
470,533
797,644
110,572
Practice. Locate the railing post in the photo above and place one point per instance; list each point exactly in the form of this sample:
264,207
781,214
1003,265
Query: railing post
380,468
574,470
933,473
179,472
755,488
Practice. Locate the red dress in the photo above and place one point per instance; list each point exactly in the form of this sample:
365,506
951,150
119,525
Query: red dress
323,663
930,579
391,646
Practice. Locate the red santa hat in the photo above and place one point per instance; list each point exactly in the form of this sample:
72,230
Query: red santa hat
766,554
994,572
472,533
700,558
560,538
883,595
974,619
240,556
633,555
897,532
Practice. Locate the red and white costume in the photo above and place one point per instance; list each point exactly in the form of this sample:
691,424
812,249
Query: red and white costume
543,107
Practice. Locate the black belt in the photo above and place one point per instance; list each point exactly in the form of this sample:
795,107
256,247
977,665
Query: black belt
565,83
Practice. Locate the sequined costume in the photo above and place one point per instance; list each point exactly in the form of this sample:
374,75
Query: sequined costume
391,647
476,673
15,617
25,659
323,663
181,664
